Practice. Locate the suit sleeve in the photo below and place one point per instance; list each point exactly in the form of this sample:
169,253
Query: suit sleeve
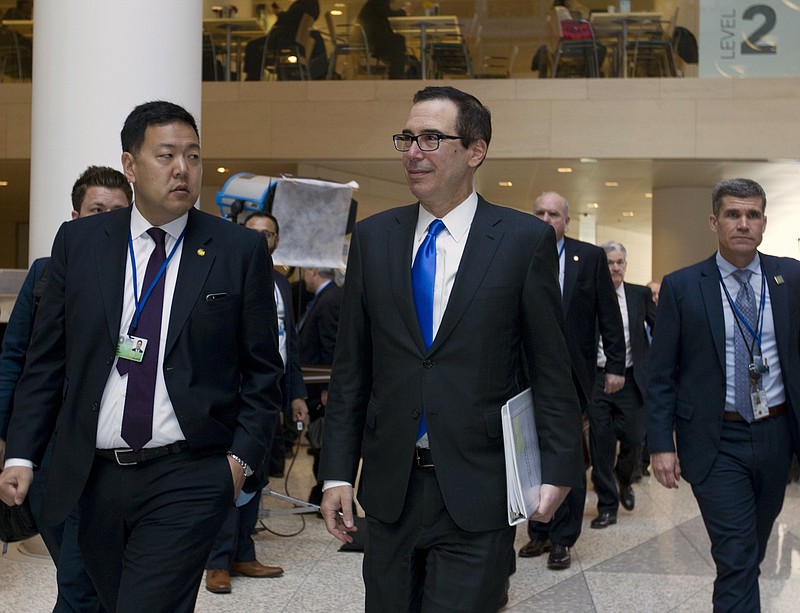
351,380
662,369
42,386
260,363
609,319
15,343
557,412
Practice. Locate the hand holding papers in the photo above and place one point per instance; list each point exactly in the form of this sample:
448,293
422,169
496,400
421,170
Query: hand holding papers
523,464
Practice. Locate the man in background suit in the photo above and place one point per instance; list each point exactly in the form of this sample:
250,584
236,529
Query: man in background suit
590,305
724,373
317,330
424,363
620,416
234,552
153,452
98,189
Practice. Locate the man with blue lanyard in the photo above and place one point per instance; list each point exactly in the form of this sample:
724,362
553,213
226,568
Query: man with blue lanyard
725,375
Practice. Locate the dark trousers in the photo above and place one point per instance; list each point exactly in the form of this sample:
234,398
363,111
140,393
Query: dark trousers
565,527
615,417
76,593
739,501
146,530
234,543
392,48
425,562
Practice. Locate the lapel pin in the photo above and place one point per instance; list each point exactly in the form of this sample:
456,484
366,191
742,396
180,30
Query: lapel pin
779,279
575,258
201,252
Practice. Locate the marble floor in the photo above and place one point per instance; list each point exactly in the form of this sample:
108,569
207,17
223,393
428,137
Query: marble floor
655,559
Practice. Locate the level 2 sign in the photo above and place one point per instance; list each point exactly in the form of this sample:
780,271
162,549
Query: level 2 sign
747,38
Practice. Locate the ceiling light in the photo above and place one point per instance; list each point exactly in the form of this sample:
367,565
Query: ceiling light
337,13
588,161
505,184
593,205
222,170
612,184
627,213
565,169
3,183
648,194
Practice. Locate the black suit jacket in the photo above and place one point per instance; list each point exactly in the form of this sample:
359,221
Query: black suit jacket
221,364
505,297
293,385
317,336
590,304
686,372
641,310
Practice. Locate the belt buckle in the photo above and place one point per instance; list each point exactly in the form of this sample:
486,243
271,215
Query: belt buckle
117,453
420,460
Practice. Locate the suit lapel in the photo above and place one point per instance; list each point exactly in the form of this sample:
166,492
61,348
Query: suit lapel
710,291
482,242
571,264
399,255
197,258
779,301
111,253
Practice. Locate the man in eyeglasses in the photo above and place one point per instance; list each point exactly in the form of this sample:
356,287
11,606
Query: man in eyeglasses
441,300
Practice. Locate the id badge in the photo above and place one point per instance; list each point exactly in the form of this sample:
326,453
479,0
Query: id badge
131,348
758,399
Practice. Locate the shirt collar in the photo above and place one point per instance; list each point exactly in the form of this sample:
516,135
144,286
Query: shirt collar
726,269
139,225
323,286
457,221
560,245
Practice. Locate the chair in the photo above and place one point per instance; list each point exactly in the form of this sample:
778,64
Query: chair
351,42
653,53
574,44
448,55
497,66
290,63
16,56
212,68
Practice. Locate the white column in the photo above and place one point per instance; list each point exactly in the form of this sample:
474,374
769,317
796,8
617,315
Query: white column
93,62
587,229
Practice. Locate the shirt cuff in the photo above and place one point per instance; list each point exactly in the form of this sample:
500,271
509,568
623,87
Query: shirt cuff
18,462
328,484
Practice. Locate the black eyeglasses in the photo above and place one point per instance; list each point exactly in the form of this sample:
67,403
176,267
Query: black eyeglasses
267,234
425,142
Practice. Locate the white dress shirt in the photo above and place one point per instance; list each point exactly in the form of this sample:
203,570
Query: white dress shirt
166,428
772,381
623,309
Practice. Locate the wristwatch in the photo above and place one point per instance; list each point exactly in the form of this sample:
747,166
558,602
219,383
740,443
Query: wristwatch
247,470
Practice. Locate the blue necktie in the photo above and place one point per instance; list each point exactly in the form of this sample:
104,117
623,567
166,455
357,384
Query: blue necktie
746,304
137,417
423,275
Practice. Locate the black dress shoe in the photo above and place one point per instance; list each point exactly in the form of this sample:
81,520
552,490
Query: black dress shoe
626,497
559,558
535,548
604,520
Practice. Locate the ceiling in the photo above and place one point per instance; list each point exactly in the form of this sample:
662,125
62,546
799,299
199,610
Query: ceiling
625,206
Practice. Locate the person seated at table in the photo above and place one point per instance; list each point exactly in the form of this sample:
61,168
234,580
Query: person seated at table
571,11
23,10
384,43
283,35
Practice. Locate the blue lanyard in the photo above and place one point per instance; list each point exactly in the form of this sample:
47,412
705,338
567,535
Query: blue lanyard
140,305
740,319
561,251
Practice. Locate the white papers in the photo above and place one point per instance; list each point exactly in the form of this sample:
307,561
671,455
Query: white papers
523,463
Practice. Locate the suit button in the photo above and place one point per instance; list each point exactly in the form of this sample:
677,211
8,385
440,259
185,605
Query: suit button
95,407
427,364
110,361
415,413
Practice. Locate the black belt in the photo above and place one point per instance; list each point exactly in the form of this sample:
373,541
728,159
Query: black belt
423,457
128,457
775,411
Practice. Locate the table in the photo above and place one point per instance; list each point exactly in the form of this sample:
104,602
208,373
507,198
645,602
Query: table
422,26
235,29
619,26
23,27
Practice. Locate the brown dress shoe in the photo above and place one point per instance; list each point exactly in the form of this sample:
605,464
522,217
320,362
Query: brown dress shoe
218,581
255,569
535,548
